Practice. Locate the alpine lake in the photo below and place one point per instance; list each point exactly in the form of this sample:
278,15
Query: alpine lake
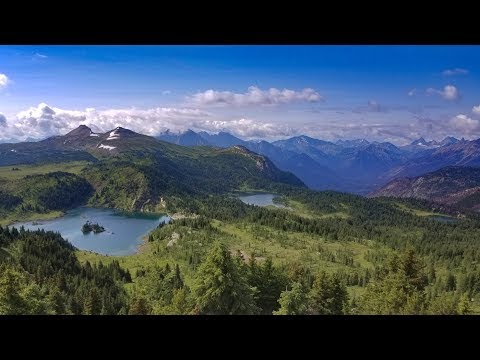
123,233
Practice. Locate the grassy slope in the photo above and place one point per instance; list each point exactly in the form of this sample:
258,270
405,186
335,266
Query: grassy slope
74,167
312,251
419,212
251,240
9,180
28,216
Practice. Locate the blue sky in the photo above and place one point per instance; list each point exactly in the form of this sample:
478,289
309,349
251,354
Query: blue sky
383,93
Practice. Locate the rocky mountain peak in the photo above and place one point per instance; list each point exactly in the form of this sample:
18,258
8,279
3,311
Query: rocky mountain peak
81,131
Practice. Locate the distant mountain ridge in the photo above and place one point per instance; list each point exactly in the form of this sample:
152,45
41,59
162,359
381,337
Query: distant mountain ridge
356,165
451,185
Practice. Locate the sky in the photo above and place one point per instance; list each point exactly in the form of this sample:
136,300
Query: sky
380,93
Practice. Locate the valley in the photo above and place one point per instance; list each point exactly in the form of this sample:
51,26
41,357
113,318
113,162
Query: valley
273,240
355,166
257,180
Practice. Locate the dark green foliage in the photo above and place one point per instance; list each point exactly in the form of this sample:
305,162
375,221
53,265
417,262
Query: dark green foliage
130,182
398,289
269,283
92,304
44,276
221,286
8,202
160,290
54,191
328,295
139,306
293,302
88,227
43,193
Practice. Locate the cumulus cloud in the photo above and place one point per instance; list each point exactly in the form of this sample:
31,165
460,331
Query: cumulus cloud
476,110
44,120
465,124
254,96
456,71
449,92
412,92
4,80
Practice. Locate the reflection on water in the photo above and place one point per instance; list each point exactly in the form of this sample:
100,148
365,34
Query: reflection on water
123,231
259,199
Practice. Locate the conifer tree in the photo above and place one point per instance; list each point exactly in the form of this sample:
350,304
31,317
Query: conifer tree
220,287
293,302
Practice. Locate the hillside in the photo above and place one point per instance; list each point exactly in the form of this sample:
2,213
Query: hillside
132,171
453,185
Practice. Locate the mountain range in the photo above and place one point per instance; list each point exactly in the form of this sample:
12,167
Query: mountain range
356,166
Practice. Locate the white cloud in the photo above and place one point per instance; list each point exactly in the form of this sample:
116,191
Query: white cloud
465,124
456,71
4,80
412,92
254,96
43,120
449,92
166,92
247,128
40,56
476,110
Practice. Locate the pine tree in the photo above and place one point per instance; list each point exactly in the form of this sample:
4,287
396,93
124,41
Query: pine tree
177,280
220,287
139,307
11,301
58,301
180,301
328,295
93,304
412,268
451,282
269,282
464,307
293,302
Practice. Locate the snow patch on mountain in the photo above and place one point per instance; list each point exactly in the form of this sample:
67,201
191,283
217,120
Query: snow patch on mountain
107,147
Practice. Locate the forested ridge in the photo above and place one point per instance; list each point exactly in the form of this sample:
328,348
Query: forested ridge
326,253
341,254
40,274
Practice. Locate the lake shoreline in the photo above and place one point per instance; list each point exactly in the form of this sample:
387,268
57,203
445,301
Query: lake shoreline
261,199
125,232
36,217
48,216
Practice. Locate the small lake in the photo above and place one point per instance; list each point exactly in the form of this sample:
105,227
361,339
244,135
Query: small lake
123,231
444,219
259,199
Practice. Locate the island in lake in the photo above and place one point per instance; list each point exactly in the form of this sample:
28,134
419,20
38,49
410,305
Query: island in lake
88,227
